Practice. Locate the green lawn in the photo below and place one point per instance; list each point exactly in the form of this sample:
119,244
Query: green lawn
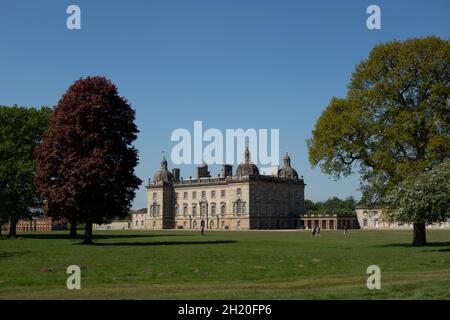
226,265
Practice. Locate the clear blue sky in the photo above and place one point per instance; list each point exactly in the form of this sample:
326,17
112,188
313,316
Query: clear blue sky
232,64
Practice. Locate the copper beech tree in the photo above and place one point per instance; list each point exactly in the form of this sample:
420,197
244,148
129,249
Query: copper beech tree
86,161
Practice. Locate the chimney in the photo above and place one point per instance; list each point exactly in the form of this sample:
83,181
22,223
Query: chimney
202,172
227,170
176,174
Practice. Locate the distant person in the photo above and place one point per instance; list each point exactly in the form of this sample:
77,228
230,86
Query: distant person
345,231
313,232
202,227
318,231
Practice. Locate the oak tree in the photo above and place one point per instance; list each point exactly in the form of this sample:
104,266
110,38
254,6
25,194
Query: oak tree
394,121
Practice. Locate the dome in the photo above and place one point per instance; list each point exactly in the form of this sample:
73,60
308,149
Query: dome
287,172
163,174
247,168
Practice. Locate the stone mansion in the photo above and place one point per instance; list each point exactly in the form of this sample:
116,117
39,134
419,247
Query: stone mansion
240,201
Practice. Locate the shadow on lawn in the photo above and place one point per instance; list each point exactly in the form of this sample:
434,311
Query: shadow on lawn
163,243
9,254
63,236
430,245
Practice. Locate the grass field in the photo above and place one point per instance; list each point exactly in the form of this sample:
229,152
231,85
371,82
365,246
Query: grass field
226,265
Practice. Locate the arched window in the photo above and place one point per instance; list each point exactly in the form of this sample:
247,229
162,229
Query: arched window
185,210
213,209
194,209
223,209
237,207
203,209
176,210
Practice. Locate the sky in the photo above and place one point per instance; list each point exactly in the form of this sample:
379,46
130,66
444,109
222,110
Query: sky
230,64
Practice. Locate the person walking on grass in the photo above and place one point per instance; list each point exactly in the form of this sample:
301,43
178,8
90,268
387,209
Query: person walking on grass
345,231
202,227
318,231
313,232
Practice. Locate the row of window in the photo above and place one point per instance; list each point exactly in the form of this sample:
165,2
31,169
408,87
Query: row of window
239,207
203,194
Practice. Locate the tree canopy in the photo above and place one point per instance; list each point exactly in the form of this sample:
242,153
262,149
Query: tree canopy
395,119
21,130
86,161
332,205
422,198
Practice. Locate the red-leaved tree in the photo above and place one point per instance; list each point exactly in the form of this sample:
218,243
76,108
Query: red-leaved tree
86,161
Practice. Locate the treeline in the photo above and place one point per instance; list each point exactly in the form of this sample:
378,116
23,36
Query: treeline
332,205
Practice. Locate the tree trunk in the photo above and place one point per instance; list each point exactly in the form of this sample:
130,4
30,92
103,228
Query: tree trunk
88,233
73,229
420,237
12,228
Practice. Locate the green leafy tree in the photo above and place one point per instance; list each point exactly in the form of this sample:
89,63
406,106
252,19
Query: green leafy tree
332,205
85,169
395,120
424,198
310,206
21,130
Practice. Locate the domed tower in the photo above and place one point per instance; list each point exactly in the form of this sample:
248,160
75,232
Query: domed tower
287,172
247,168
163,174
161,199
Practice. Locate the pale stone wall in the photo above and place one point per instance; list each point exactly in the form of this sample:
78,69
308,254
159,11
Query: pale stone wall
375,218
115,225
240,204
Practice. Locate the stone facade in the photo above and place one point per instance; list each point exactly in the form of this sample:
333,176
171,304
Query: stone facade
330,221
243,201
373,217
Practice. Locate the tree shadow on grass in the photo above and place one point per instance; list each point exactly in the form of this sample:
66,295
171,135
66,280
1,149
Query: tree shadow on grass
163,243
409,245
431,245
10,254
63,236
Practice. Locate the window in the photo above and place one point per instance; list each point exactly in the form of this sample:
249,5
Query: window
194,194
154,196
213,194
203,194
176,195
365,222
185,210
222,209
203,209
238,191
185,195
137,222
213,209
142,222
176,210
194,209
222,193
237,207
